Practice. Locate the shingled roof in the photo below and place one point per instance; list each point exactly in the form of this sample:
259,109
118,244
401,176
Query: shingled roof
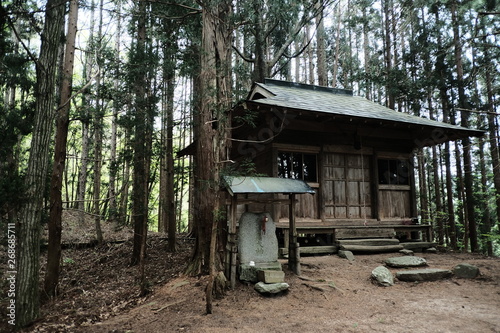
338,102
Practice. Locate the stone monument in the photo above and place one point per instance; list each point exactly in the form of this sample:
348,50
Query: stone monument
257,245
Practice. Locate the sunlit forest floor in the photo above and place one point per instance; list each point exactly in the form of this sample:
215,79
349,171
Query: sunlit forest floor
99,292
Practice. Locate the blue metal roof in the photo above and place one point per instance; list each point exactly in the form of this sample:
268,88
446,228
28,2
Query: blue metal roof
243,185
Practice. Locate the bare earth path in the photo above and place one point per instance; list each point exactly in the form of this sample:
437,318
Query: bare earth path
99,292
354,304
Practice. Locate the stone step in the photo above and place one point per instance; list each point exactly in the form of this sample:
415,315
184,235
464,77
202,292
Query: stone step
420,275
405,262
371,248
369,242
418,245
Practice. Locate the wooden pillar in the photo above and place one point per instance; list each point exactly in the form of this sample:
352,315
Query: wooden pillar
375,187
293,246
232,243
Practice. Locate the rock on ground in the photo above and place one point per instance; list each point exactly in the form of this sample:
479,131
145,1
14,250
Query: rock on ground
421,275
346,255
406,261
466,271
383,276
271,288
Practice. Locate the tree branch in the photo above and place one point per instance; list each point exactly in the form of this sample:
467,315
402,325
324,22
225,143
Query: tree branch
35,60
242,55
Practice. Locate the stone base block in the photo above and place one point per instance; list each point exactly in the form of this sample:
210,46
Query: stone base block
249,273
270,276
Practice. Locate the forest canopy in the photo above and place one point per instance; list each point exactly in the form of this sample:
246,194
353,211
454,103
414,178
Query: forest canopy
99,98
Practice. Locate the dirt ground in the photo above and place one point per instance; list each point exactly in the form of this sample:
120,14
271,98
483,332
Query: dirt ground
354,305
99,293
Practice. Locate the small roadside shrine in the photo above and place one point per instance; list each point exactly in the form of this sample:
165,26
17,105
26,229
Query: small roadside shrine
356,154
261,190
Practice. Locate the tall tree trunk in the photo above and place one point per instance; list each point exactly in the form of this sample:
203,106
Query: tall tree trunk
441,73
321,45
30,215
297,62
309,55
85,120
493,132
260,70
140,194
98,135
424,200
124,194
450,208
464,105
162,197
167,195
461,196
436,182
483,205
388,15
113,168
62,124
366,53
172,225
337,47
213,100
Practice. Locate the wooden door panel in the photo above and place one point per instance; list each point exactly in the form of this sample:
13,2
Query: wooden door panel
346,186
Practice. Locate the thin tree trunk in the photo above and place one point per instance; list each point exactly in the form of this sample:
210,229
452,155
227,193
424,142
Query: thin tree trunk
337,48
424,200
464,105
309,55
484,207
113,169
368,90
388,13
30,215
98,138
321,45
170,166
124,195
85,120
140,180
184,135
445,105
162,198
461,211
297,63
493,136
62,124
436,182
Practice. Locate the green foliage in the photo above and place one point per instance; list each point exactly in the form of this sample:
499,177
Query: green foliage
423,67
68,261
248,118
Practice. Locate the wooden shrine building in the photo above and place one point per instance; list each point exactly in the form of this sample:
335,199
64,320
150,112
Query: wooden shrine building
354,153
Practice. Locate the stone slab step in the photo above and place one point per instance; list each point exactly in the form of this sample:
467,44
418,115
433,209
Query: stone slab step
418,245
311,250
405,262
371,248
420,275
369,242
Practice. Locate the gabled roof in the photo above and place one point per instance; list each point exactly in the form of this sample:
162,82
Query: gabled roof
338,102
